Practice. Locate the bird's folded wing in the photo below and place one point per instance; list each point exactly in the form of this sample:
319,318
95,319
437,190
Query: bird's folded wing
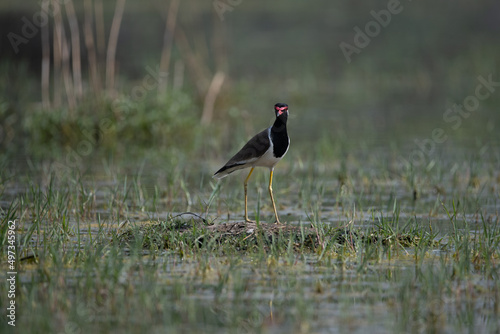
252,151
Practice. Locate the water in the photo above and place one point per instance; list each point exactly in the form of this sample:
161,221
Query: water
397,289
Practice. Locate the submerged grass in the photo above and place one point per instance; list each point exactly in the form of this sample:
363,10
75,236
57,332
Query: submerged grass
97,260
155,246
217,286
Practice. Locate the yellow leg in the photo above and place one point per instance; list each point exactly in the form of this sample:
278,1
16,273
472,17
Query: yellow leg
272,197
245,184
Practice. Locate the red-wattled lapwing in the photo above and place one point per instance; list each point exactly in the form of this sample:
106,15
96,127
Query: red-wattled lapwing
265,149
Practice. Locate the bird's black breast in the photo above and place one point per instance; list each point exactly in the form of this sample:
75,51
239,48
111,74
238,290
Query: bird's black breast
279,137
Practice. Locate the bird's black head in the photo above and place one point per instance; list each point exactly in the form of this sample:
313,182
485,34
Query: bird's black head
281,110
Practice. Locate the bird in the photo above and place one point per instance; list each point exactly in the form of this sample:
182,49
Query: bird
265,149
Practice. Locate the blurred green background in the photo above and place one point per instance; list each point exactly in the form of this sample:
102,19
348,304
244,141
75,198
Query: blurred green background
393,91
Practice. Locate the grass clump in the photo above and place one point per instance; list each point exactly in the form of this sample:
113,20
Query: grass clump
193,236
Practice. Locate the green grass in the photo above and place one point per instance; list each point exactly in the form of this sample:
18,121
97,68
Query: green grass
366,255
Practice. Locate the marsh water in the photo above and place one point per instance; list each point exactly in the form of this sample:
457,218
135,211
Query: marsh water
403,289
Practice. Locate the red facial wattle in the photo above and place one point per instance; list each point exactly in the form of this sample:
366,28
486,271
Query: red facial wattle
281,110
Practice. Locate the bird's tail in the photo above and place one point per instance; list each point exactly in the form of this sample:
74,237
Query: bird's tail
226,170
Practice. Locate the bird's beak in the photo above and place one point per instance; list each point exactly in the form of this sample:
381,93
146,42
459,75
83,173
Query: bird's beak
280,112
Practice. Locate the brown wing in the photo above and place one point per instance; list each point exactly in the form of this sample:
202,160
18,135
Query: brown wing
251,151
